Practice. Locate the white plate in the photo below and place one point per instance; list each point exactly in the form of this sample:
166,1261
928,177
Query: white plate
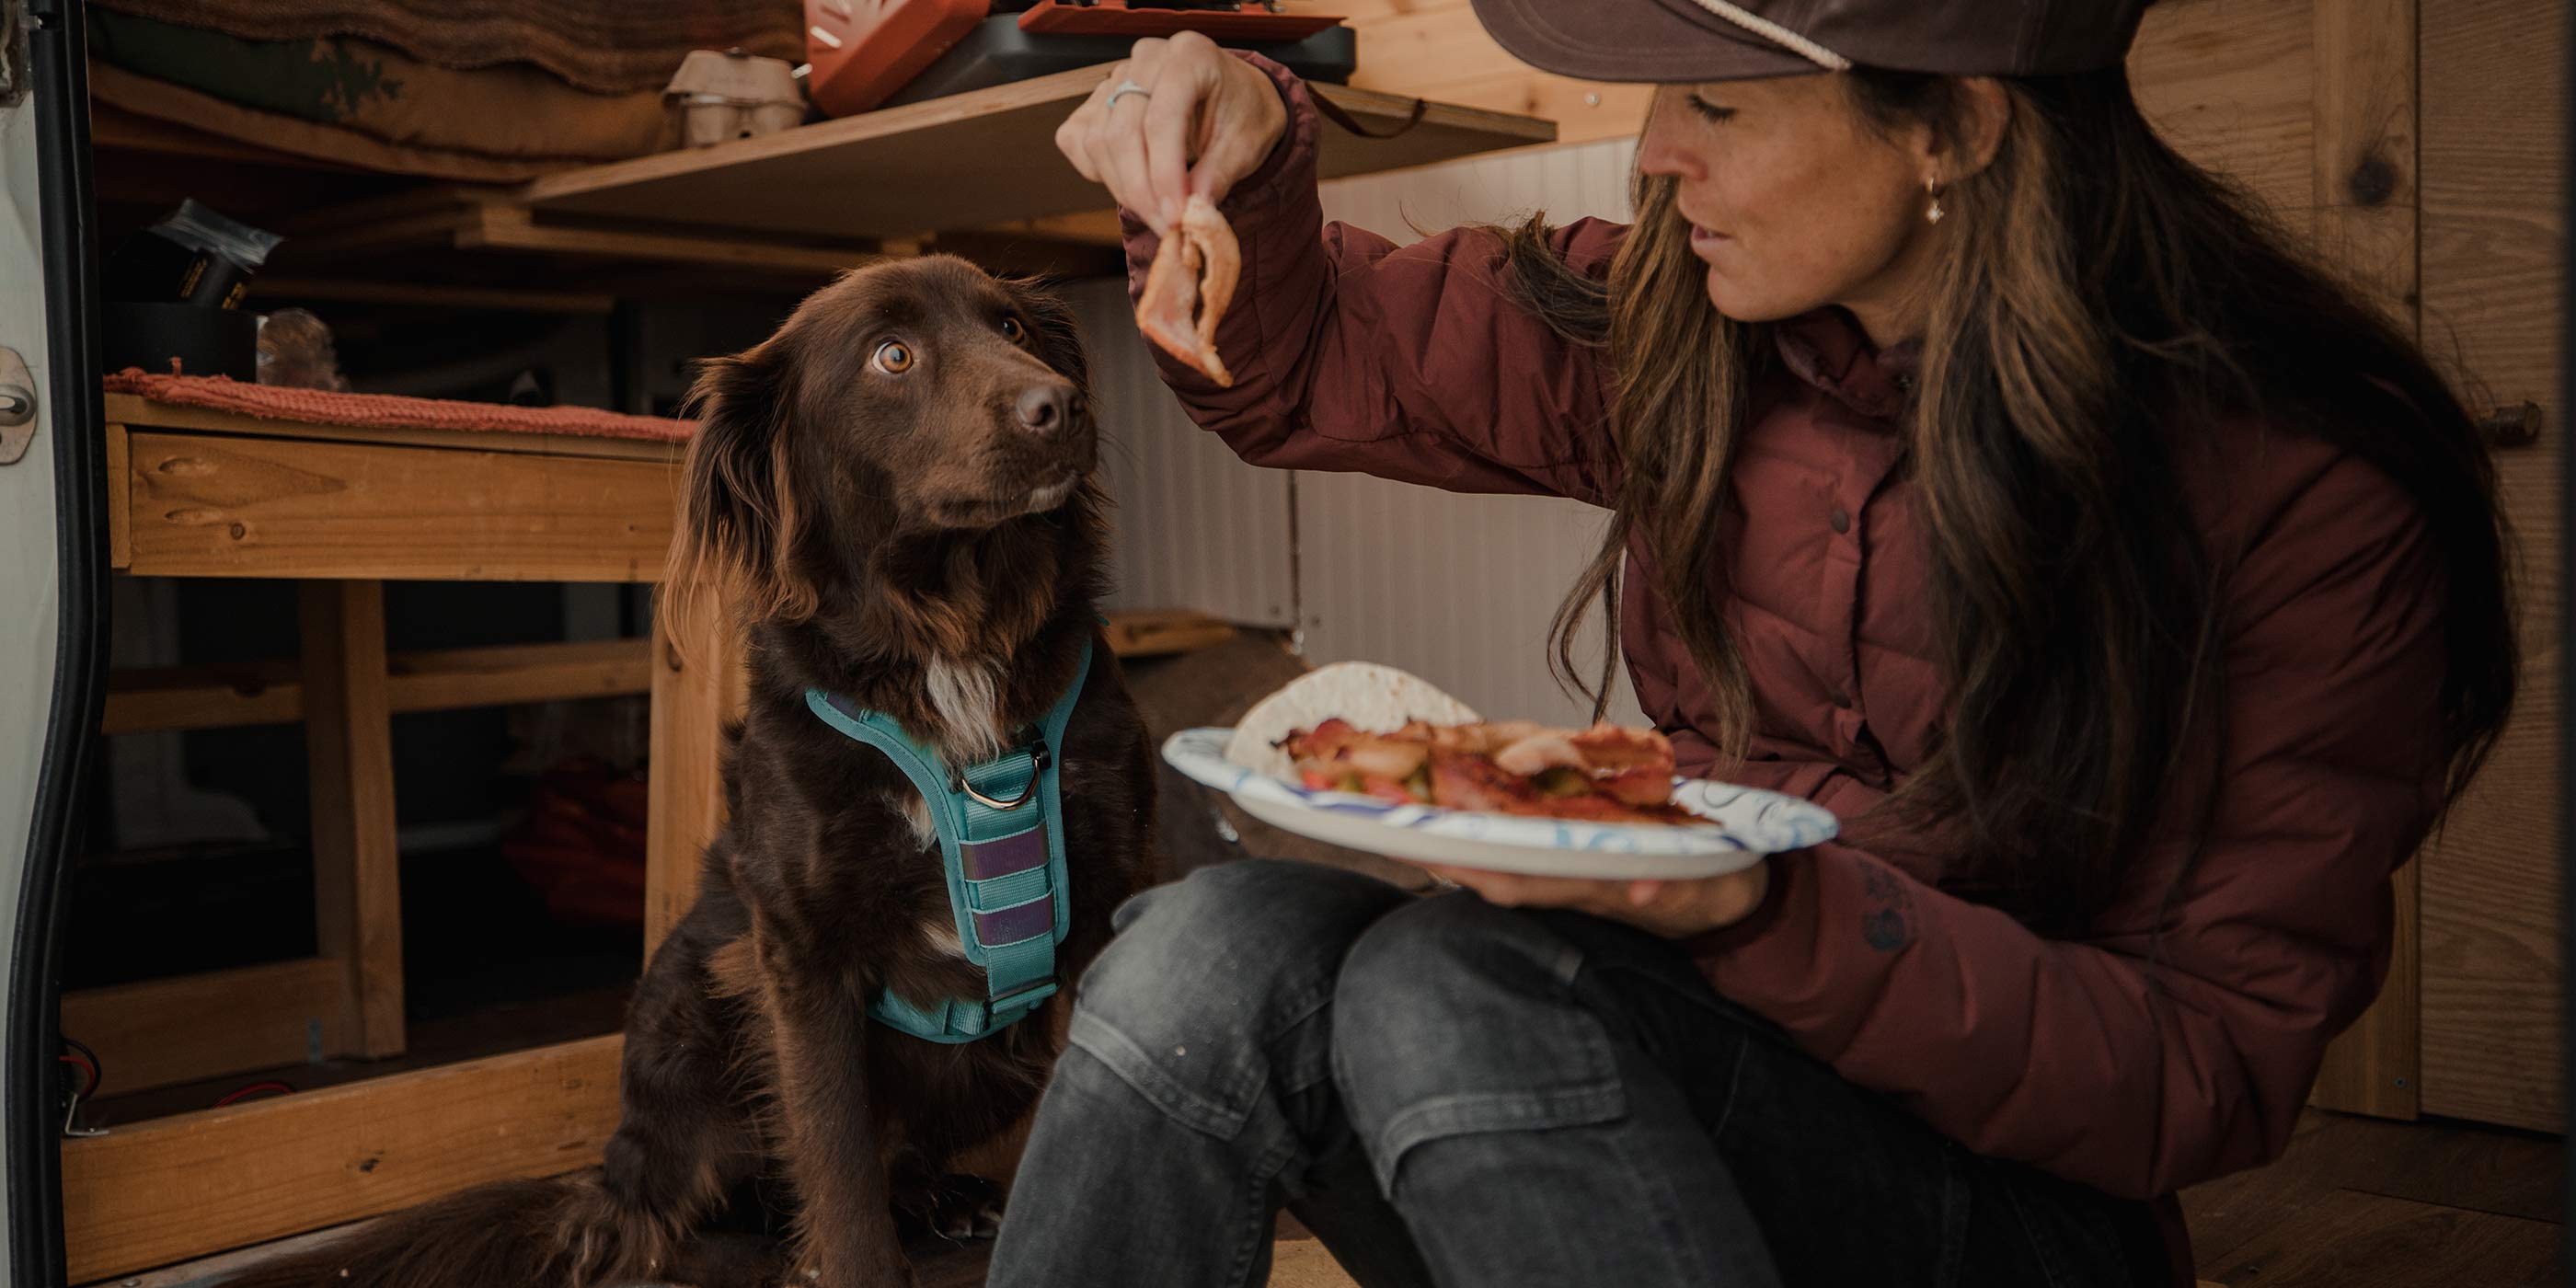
1745,823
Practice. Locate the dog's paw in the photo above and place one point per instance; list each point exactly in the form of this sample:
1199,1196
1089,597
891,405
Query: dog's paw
956,1207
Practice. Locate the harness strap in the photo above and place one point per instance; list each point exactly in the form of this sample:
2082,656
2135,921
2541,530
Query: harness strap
1001,838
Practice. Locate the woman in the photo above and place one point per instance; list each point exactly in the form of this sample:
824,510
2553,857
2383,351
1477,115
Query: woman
1983,471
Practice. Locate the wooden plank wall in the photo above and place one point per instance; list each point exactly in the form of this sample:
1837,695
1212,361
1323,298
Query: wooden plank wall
2365,196
2493,78
2232,83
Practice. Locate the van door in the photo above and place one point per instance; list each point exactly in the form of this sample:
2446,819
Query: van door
53,569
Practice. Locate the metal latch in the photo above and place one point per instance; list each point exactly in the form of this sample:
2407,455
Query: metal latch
17,404
2514,426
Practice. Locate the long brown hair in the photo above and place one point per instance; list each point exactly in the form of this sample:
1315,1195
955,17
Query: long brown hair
2078,312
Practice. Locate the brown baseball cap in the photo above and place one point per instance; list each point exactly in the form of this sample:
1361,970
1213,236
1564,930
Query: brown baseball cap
1712,40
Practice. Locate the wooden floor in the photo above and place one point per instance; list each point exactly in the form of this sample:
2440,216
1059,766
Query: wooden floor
2361,1203
2356,1203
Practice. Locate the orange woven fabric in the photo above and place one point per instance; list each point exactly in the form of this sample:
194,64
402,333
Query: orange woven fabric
387,411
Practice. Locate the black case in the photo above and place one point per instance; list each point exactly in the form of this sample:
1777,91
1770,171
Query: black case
997,52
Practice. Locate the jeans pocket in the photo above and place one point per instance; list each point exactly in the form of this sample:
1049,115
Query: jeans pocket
1454,1017
1470,1113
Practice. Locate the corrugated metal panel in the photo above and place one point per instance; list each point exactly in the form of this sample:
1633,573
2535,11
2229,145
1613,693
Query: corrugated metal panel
1566,182
1459,589
1196,527
1456,589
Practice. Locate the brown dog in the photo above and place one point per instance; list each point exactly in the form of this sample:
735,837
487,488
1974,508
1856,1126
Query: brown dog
897,489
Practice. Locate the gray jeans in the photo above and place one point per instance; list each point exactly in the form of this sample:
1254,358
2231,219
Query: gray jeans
1452,1093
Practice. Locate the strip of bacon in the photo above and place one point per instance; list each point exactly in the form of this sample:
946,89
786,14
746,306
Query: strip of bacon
1221,265
1610,748
1170,296
1336,748
1542,751
1603,774
1188,287
1465,781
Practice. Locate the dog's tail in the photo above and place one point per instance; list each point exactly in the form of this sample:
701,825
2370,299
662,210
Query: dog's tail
564,1232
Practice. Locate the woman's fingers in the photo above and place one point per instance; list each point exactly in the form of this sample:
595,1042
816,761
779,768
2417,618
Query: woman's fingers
1122,161
1514,890
1119,141
1500,888
1666,907
1199,120
1169,116
1074,138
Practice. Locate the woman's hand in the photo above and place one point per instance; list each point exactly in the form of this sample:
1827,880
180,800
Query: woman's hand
1200,104
1673,909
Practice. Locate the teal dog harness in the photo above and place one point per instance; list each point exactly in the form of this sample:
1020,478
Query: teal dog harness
1001,837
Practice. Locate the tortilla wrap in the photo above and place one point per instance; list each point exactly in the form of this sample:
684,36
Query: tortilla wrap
1373,698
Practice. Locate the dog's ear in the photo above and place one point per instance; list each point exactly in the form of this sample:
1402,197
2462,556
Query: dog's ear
1059,340
739,507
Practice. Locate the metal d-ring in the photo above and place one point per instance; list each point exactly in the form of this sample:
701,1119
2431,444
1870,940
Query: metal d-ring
1037,775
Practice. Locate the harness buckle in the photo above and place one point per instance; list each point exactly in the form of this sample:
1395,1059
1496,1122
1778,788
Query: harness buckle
1040,759
1024,997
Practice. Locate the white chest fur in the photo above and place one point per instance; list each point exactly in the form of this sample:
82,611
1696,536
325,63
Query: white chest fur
968,702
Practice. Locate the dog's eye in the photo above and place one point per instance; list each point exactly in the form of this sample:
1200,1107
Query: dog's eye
1013,331
894,357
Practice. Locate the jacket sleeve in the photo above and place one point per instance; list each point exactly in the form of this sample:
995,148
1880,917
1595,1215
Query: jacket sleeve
2134,1061
1349,354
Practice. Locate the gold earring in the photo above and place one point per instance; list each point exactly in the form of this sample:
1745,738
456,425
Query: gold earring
1932,215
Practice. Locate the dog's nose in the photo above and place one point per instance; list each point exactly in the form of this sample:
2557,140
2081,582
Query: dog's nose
1045,409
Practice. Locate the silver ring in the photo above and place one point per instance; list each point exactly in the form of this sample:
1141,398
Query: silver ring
1125,88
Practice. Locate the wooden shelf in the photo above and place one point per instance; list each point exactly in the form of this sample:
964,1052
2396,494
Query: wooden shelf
153,699
973,174
476,247
966,161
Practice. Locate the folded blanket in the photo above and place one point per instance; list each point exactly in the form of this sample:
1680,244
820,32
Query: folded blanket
605,46
357,102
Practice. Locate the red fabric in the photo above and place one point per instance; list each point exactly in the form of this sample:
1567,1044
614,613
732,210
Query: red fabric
582,844
2175,1041
387,411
